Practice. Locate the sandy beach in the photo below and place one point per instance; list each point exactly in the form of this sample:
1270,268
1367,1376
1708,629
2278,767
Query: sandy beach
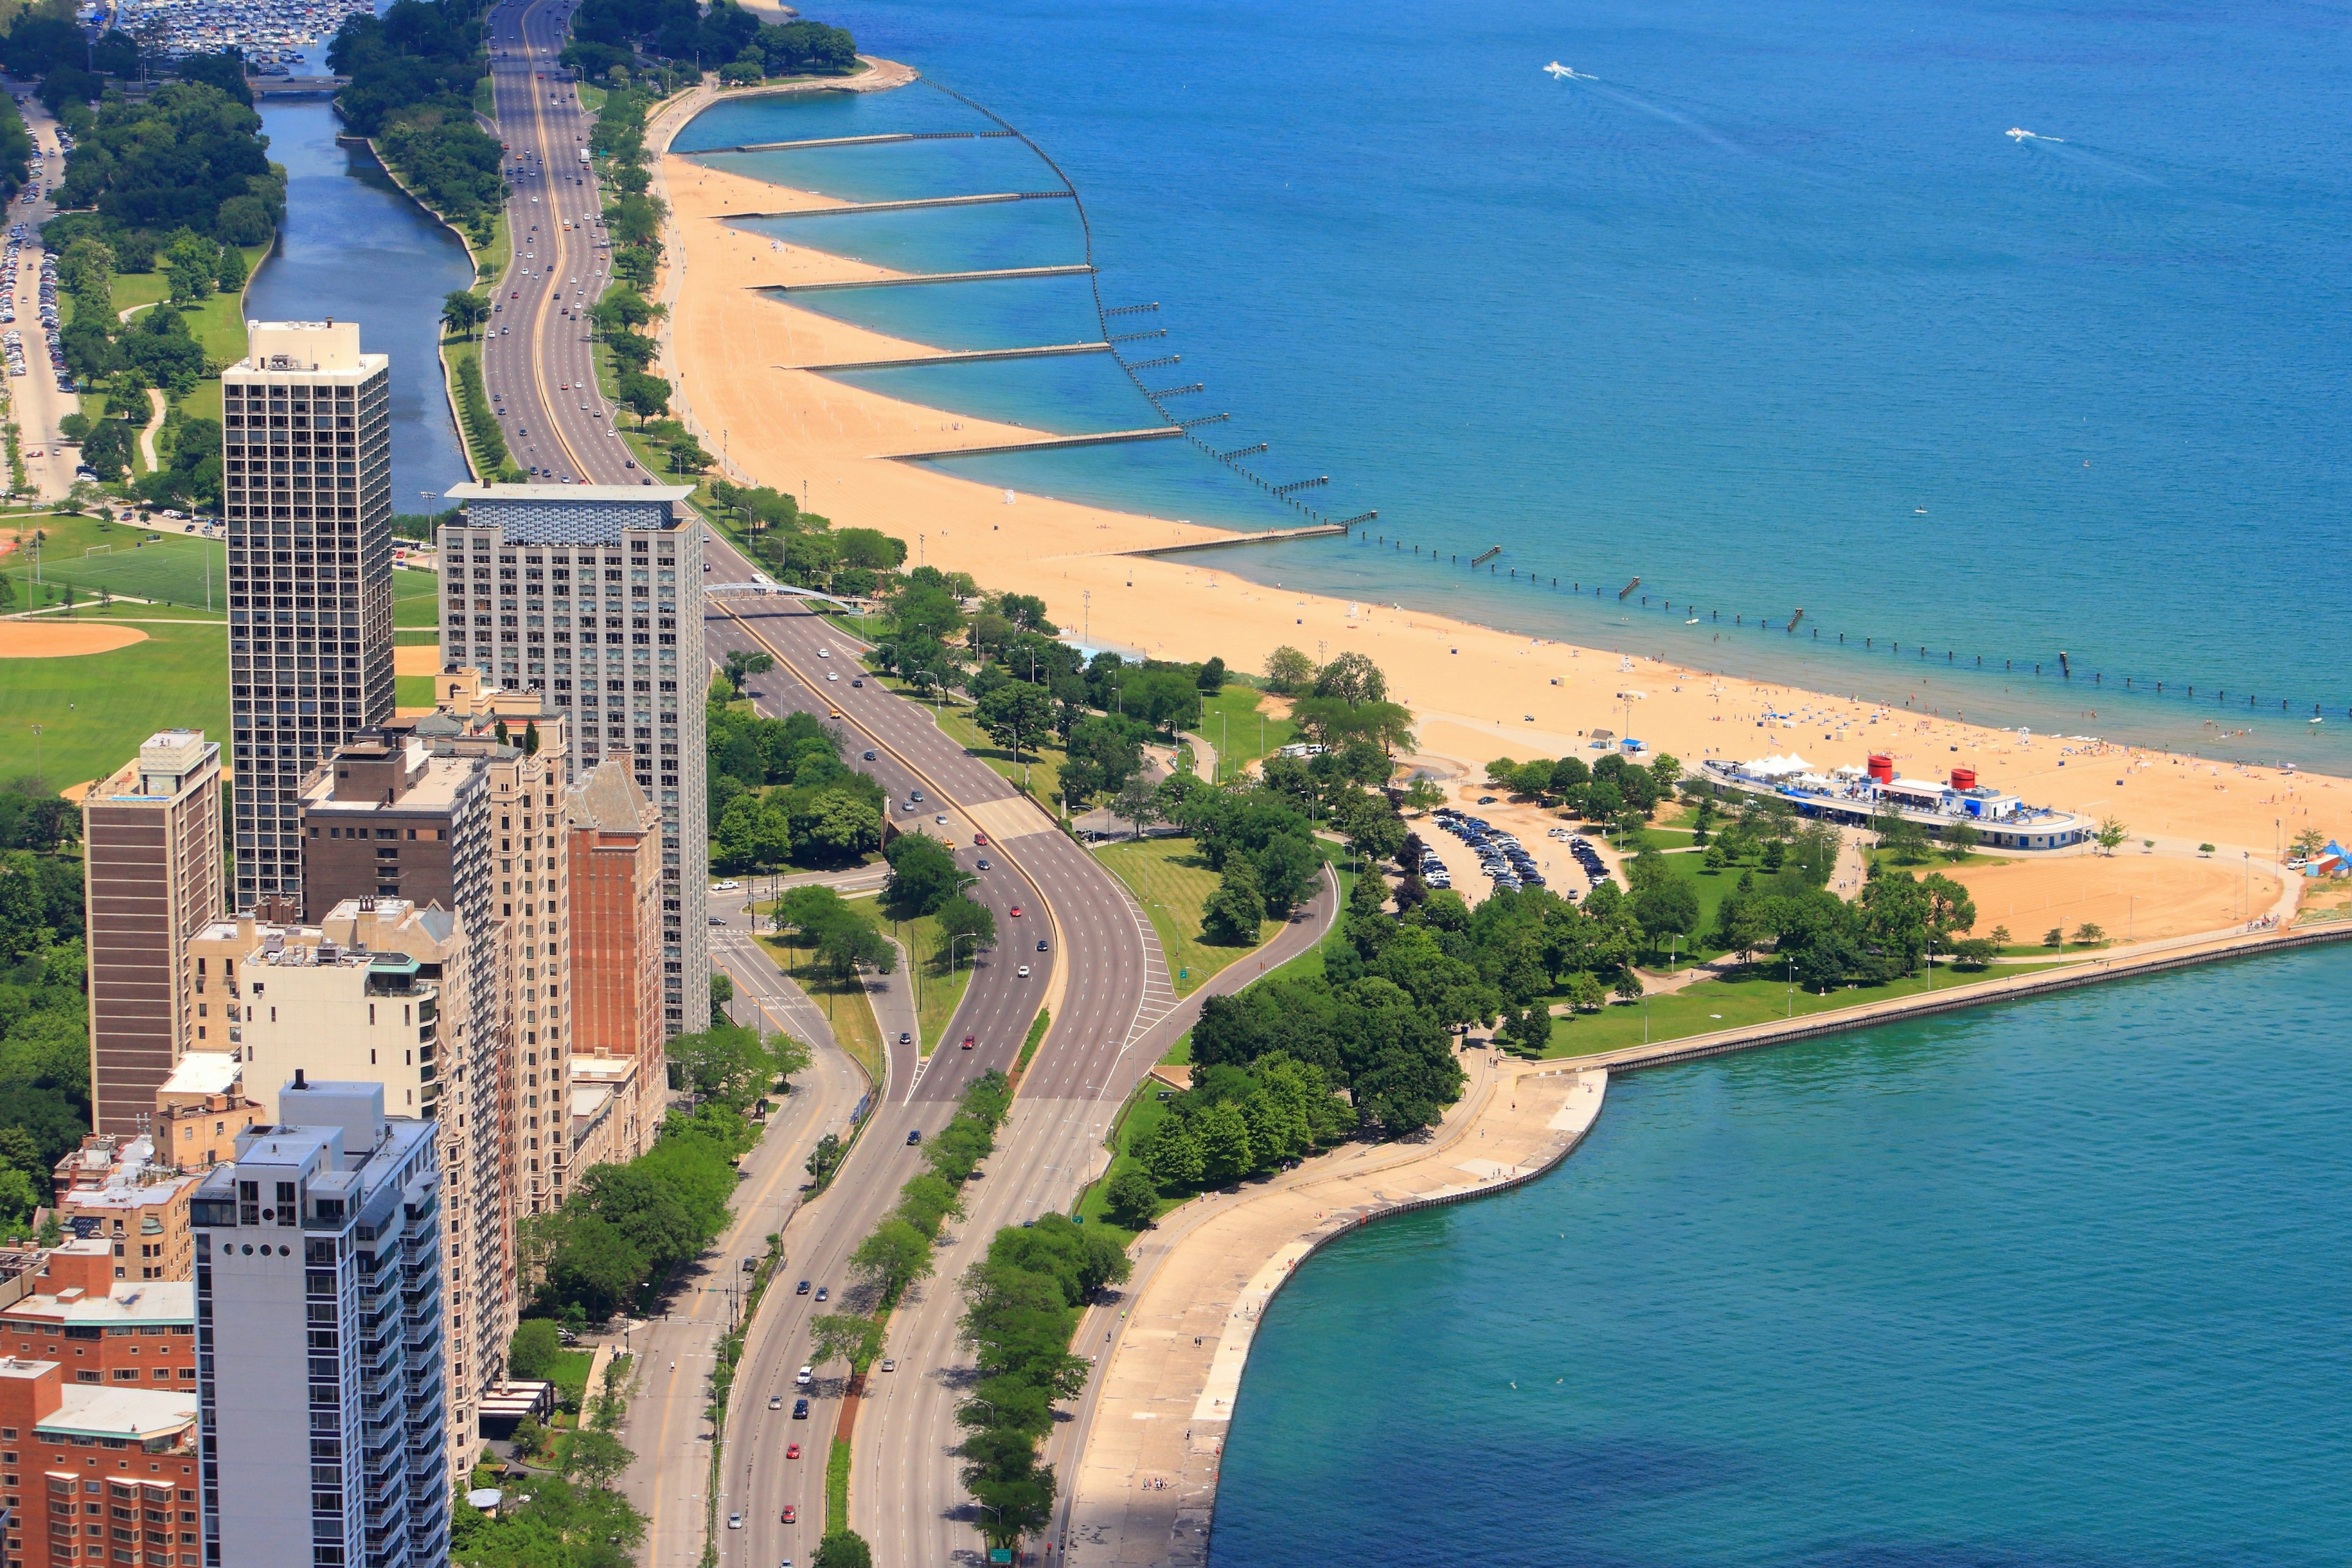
1479,692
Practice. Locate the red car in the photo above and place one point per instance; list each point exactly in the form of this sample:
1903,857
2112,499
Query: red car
980,838
967,1042
792,1514
792,1452
1016,912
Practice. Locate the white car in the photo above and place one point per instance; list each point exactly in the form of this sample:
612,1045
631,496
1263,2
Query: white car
1024,971
729,885
734,1521
831,676
825,653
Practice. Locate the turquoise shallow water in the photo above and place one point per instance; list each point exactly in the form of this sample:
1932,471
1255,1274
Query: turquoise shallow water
1772,313
2056,1284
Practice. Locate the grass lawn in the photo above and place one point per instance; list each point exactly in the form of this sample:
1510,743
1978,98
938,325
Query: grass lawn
412,691
415,598
1713,1004
1936,860
1143,1111
570,1375
91,554
416,636
95,709
1171,881
937,992
845,1006
1245,734
1045,767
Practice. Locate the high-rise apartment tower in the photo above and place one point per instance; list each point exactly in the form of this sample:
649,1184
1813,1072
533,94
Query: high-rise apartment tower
306,460
152,853
591,595
318,1340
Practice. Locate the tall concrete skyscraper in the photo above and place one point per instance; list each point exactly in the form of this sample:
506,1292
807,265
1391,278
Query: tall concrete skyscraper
152,856
591,595
306,460
318,1339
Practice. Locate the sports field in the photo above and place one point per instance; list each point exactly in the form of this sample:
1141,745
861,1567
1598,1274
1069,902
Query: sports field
95,709
90,555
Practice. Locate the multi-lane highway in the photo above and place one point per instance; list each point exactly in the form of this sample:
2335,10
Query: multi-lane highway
1092,956
538,362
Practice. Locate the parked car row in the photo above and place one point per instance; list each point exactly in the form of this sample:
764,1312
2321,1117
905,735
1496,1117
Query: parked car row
1500,855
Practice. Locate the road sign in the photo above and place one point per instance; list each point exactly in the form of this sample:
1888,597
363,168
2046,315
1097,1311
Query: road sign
1000,1554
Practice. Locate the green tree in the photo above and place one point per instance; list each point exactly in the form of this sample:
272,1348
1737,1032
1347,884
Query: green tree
842,1548
462,311
892,1258
1138,803
965,927
1288,671
1132,1197
1236,909
595,1458
534,1351
2111,835
1017,716
644,395
843,1337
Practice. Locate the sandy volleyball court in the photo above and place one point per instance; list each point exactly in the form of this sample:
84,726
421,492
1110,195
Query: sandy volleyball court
1480,692
63,639
2131,896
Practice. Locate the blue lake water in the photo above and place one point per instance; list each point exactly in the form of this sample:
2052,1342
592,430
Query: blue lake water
1763,306
2056,1285
355,248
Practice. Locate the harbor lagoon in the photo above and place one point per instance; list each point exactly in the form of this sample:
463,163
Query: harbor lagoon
2049,1284
354,247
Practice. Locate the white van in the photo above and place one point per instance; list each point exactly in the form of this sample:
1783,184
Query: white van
806,1376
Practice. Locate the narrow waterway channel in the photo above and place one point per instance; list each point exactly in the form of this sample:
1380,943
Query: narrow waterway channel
355,248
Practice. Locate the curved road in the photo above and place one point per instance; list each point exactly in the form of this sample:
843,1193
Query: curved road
1102,973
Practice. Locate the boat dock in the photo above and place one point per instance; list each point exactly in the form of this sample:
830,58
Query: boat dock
1079,269
851,209
1045,442
960,356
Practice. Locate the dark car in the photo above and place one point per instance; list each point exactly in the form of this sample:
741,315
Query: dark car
869,756
802,1289
799,1409
1041,944
914,1135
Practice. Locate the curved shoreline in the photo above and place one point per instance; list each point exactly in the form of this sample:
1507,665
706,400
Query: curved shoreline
1150,1433
1117,1511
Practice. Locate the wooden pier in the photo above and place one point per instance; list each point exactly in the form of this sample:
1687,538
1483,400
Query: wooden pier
961,357
1043,443
1080,269
848,209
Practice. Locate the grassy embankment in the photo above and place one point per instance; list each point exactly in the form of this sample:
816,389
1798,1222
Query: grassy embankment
847,1006
1144,1109
1751,998
1172,882
1247,732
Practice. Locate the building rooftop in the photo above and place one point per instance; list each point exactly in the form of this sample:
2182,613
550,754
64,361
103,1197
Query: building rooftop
609,798
201,1074
635,494
305,348
140,1415
129,1303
